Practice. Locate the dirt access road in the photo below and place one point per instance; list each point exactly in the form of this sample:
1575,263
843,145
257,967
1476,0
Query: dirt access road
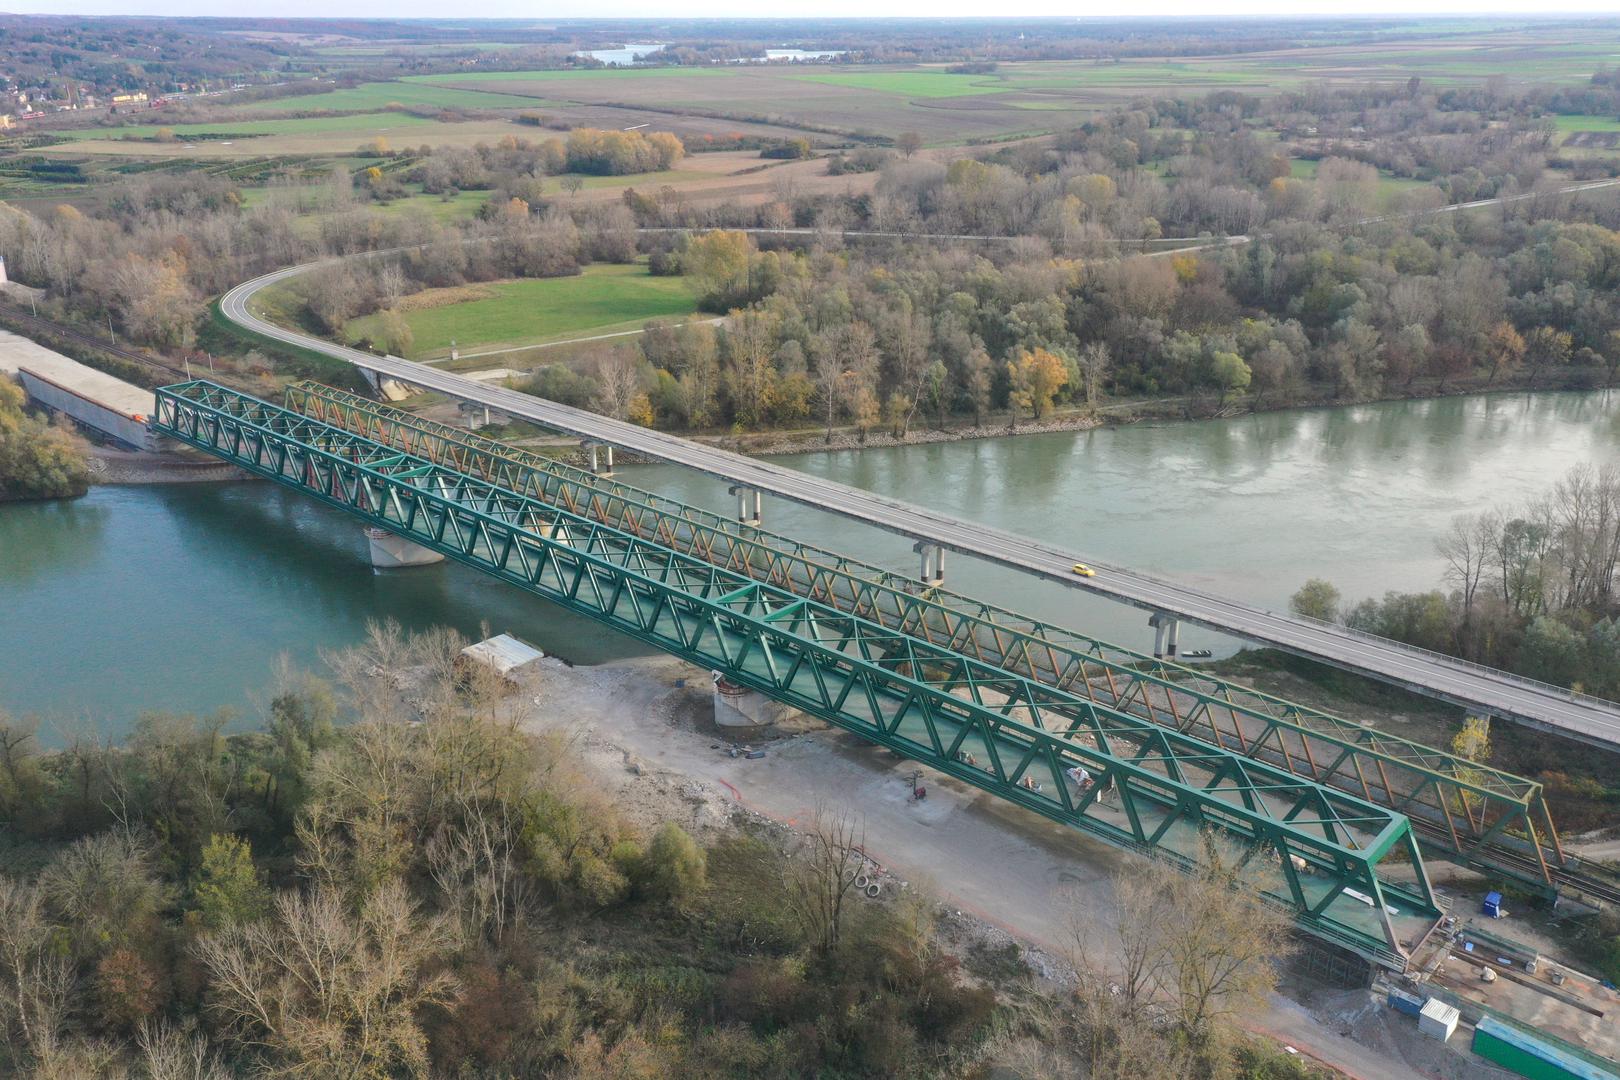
653,746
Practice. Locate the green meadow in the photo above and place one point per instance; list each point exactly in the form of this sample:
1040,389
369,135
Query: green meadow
529,311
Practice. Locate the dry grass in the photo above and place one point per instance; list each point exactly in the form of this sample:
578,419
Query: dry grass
437,298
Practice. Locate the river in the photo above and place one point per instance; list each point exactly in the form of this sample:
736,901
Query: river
180,598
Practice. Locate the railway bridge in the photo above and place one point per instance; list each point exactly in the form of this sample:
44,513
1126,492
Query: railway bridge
1329,818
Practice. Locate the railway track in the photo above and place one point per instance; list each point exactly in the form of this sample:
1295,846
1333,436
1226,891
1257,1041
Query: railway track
1605,888
46,326
1600,885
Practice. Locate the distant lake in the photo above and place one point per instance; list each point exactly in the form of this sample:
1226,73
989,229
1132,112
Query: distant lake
802,54
630,55
624,55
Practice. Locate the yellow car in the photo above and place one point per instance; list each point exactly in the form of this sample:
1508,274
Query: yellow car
1083,570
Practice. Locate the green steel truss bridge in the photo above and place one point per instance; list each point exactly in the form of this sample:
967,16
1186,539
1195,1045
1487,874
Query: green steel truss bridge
1465,812
1348,869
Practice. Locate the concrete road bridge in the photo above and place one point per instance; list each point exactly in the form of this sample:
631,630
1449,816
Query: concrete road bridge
1476,688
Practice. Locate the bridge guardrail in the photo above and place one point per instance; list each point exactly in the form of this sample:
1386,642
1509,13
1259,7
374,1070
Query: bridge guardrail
1506,676
1565,692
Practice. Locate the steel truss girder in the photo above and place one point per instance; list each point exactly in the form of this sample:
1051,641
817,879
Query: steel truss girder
1474,814
1323,848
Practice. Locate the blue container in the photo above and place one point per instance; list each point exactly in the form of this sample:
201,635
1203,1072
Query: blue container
1404,1002
1493,904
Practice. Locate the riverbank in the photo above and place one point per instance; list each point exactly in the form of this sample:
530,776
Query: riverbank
1011,883
1117,413
112,466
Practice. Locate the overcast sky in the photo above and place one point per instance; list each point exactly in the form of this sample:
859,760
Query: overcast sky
560,9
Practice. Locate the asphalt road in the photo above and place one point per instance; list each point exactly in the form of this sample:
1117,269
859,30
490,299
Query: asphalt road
1473,687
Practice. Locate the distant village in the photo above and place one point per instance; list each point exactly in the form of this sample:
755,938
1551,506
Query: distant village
18,105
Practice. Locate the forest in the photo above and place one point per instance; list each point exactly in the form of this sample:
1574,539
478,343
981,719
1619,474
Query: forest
1345,288
396,875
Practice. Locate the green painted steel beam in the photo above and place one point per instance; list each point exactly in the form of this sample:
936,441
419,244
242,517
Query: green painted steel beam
1477,815
1158,791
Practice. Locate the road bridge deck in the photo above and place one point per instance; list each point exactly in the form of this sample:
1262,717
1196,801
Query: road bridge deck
1473,687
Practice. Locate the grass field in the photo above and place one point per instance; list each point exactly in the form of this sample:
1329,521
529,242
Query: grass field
570,75
379,95
914,84
949,109
363,123
531,311
325,136
1568,124
1388,186
457,207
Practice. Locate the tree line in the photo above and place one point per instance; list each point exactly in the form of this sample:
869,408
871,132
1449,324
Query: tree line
1533,589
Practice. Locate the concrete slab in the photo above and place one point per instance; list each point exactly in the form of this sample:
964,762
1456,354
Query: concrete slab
127,399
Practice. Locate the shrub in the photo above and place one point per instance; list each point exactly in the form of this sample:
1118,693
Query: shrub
673,868
228,888
128,989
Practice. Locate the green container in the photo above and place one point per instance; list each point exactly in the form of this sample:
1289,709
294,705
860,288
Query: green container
1535,1056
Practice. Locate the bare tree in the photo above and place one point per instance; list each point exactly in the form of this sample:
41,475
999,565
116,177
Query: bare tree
822,873
391,284
171,1052
36,978
1466,547
1223,944
616,383
832,380
323,992
1094,365
1202,943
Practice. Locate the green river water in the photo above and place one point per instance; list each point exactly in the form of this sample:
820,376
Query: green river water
180,598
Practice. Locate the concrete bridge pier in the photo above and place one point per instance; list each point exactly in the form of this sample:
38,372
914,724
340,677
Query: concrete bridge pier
597,450
932,572
386,388
750,504
390,552
1166,634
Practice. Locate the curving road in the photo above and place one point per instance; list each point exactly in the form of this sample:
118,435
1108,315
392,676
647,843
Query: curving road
1473,687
